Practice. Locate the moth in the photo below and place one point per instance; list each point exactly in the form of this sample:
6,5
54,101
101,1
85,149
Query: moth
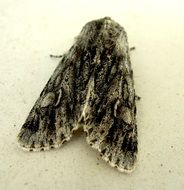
92,88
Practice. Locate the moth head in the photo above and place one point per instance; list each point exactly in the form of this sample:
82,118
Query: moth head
101,33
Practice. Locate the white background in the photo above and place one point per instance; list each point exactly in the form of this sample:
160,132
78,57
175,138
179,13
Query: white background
31,30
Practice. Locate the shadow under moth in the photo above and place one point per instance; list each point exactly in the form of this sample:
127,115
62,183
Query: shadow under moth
91,88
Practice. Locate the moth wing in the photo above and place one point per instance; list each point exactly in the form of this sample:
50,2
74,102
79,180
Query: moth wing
51,120
110,118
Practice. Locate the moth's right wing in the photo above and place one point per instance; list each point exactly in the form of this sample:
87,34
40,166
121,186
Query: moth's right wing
53,117
110,125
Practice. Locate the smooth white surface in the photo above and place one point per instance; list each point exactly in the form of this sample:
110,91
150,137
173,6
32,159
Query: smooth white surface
31,30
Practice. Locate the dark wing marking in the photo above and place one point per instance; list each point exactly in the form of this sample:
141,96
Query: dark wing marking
92,86
53,118
57,111
110,110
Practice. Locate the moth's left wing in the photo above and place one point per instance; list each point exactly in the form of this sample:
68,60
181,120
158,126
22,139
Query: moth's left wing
52,119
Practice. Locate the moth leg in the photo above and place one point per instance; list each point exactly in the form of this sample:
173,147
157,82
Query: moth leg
132,48
56,56
137,98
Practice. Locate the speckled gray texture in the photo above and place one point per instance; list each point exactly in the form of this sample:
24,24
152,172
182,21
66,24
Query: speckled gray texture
93,88
30,31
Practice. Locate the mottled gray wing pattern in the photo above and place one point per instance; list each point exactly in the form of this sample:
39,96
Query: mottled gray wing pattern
110,110
111,126
54,116
57,111
91,87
